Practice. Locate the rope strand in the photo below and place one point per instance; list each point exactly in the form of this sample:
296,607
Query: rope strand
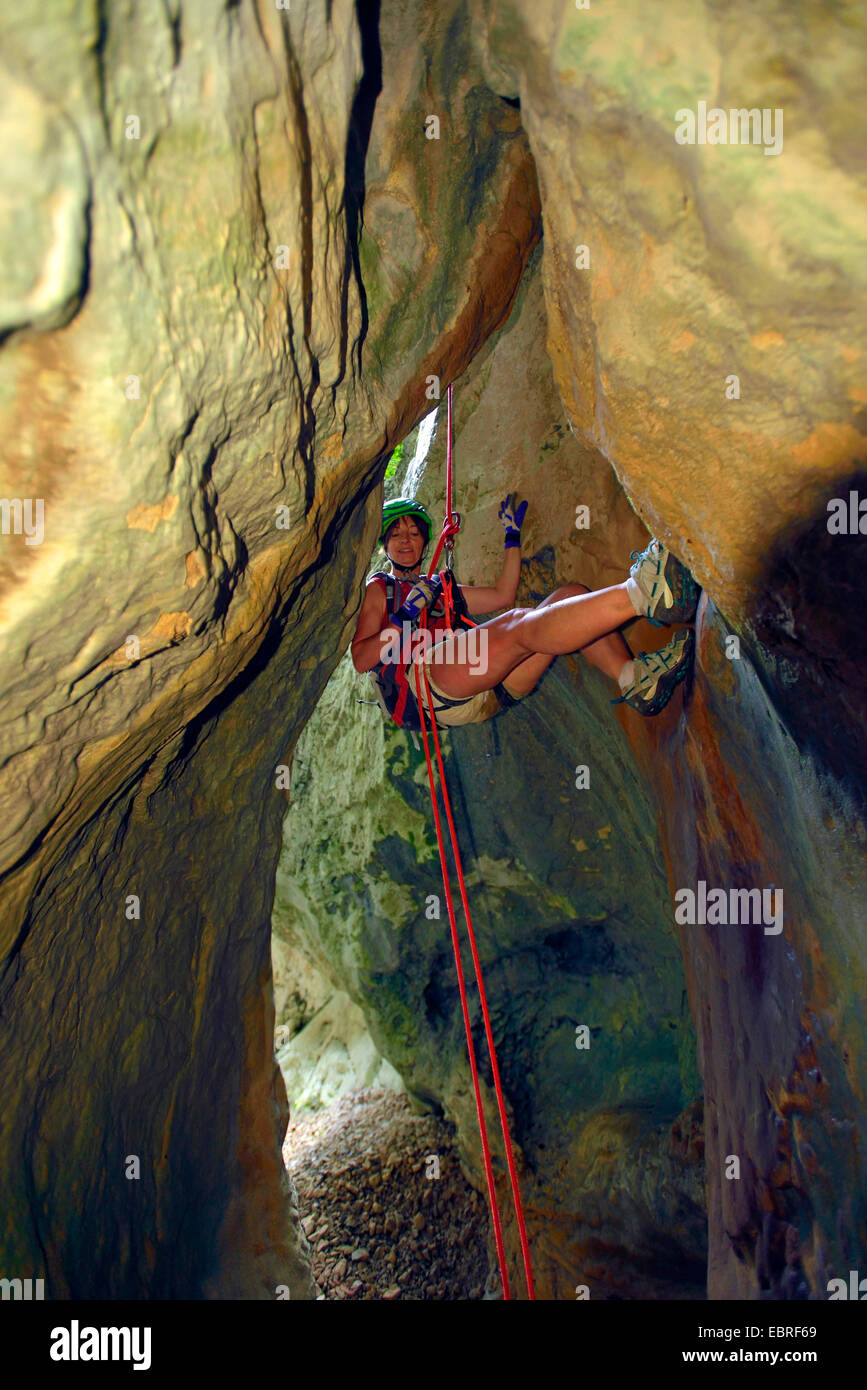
489,1034
483,1130
451,526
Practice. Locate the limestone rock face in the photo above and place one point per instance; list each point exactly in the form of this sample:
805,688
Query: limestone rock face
299,989
705,260
713,350
712,345
568,889
332,1055
709,350
236,260
778,1003
199,389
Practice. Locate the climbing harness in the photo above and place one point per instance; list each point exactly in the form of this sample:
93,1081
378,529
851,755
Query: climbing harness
394,692
451,526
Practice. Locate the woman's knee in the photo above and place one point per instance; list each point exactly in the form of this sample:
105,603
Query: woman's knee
510,620
506,632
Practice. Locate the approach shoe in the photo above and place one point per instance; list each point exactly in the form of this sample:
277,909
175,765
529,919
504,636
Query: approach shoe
658,674
661,588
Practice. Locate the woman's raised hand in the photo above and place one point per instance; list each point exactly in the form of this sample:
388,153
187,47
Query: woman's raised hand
512,517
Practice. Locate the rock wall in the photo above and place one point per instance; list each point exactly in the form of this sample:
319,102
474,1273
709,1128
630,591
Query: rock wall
568,887
779,1006
333,1055
236,261
713,349
711,357
185,330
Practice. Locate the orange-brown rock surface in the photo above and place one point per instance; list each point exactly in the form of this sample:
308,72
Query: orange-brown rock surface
200,387
233,260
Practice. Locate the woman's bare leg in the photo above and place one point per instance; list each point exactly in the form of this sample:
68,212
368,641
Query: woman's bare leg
555,628
610,653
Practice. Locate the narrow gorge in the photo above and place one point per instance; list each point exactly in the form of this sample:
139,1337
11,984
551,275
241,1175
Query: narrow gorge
247,248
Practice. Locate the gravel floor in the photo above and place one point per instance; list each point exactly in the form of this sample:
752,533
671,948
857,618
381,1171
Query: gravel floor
385,1206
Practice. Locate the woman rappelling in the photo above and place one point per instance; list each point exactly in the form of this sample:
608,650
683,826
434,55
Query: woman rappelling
469,684
442,682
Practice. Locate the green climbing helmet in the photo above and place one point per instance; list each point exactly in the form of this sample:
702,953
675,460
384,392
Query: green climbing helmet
405,506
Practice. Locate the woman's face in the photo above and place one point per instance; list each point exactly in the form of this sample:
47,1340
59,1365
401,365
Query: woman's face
405,542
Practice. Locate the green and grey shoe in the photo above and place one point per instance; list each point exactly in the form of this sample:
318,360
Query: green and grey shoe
658,674
660,587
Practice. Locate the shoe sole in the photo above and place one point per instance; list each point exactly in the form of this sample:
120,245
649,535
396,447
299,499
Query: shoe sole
667,683
677,599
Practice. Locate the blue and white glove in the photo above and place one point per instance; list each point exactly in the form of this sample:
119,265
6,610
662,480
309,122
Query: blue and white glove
512,518
423,594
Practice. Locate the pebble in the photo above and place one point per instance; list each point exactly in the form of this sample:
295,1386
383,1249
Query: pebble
391,1293
359,1255
339,1270
418,1221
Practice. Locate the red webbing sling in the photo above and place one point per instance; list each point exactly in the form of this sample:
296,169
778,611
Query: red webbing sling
451,526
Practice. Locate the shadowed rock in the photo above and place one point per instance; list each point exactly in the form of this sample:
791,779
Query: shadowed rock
233,261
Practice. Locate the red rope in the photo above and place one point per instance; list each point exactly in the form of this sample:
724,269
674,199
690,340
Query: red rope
456,946
451,526
501,1107
452,523
449,454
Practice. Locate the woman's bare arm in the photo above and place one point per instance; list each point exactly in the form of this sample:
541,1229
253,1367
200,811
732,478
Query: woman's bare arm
502,595
367,642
